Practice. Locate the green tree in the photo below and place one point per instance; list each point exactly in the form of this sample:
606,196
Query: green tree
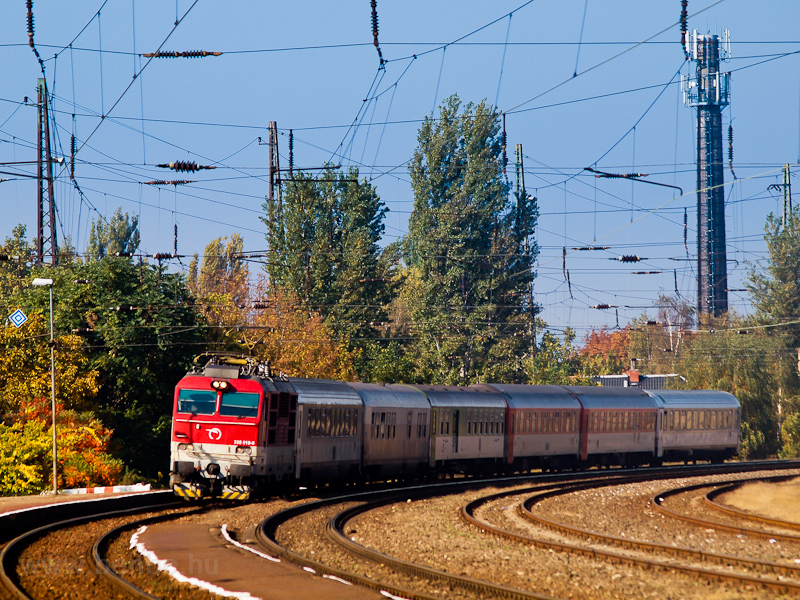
469,252
750,366
141,331
15,260
775,289
556,361
323,239
222,288
118,236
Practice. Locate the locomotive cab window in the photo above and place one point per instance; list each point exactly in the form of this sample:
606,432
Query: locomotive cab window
239,404
197,402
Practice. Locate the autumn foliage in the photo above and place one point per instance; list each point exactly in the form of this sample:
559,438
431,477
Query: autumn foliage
26,450
605,351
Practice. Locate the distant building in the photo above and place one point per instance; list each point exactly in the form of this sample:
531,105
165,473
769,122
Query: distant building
634,379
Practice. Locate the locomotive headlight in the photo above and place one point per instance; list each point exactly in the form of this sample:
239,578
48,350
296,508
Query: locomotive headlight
220,385
243,450
185,446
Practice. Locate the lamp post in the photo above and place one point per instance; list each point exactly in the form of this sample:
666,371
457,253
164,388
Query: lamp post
39,282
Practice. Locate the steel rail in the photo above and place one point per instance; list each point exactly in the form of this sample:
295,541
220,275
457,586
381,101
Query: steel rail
594,553
652,547
266,533
658,501
710,500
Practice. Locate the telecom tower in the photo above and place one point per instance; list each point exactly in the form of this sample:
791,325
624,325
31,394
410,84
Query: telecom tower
708,92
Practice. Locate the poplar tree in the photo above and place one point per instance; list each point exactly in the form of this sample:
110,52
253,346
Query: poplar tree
323,248
119,235
469,252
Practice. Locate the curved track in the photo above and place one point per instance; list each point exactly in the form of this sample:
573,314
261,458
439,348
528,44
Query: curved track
45,524
336,529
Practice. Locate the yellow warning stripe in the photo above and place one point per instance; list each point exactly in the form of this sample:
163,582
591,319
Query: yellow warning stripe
235,495
188,493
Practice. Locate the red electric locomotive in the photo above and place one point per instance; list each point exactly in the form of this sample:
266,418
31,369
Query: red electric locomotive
233,425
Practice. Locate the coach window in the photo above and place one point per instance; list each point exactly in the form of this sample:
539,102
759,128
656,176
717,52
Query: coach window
701,420
394,425
626,421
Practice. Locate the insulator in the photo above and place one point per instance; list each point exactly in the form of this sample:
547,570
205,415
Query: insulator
72,157
601,306
162,255
730,150
685,229
4,257
646,272
175,240
170,182
123,308
259,305
82,330
291,153
123,254
652,322
374,6
628,258
189,54
684,27
182,165
29,4
593,248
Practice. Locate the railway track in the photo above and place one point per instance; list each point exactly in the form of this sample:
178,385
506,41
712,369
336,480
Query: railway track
336,531
365,566
27,572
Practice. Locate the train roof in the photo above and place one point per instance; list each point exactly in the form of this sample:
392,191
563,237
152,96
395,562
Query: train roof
390,395
461,396
595,397
534,396
694,399
324,391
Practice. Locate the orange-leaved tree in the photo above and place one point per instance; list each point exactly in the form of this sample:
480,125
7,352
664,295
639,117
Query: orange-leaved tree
294,339
26,450
605,352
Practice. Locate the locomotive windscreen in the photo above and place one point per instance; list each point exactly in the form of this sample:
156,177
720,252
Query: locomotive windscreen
197,402
238,404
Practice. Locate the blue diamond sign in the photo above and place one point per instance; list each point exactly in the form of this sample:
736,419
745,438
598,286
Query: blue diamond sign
18,318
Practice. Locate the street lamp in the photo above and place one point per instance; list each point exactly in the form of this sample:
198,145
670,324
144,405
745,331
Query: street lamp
39,282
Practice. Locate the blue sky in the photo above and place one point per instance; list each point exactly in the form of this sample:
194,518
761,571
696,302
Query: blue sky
311,67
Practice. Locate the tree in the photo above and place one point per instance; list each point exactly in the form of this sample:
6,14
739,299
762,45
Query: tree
25,367
15,259
556,361
119,236
222,288
141,331
605,352
294,340
469,251
775,289
750,367
323,239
